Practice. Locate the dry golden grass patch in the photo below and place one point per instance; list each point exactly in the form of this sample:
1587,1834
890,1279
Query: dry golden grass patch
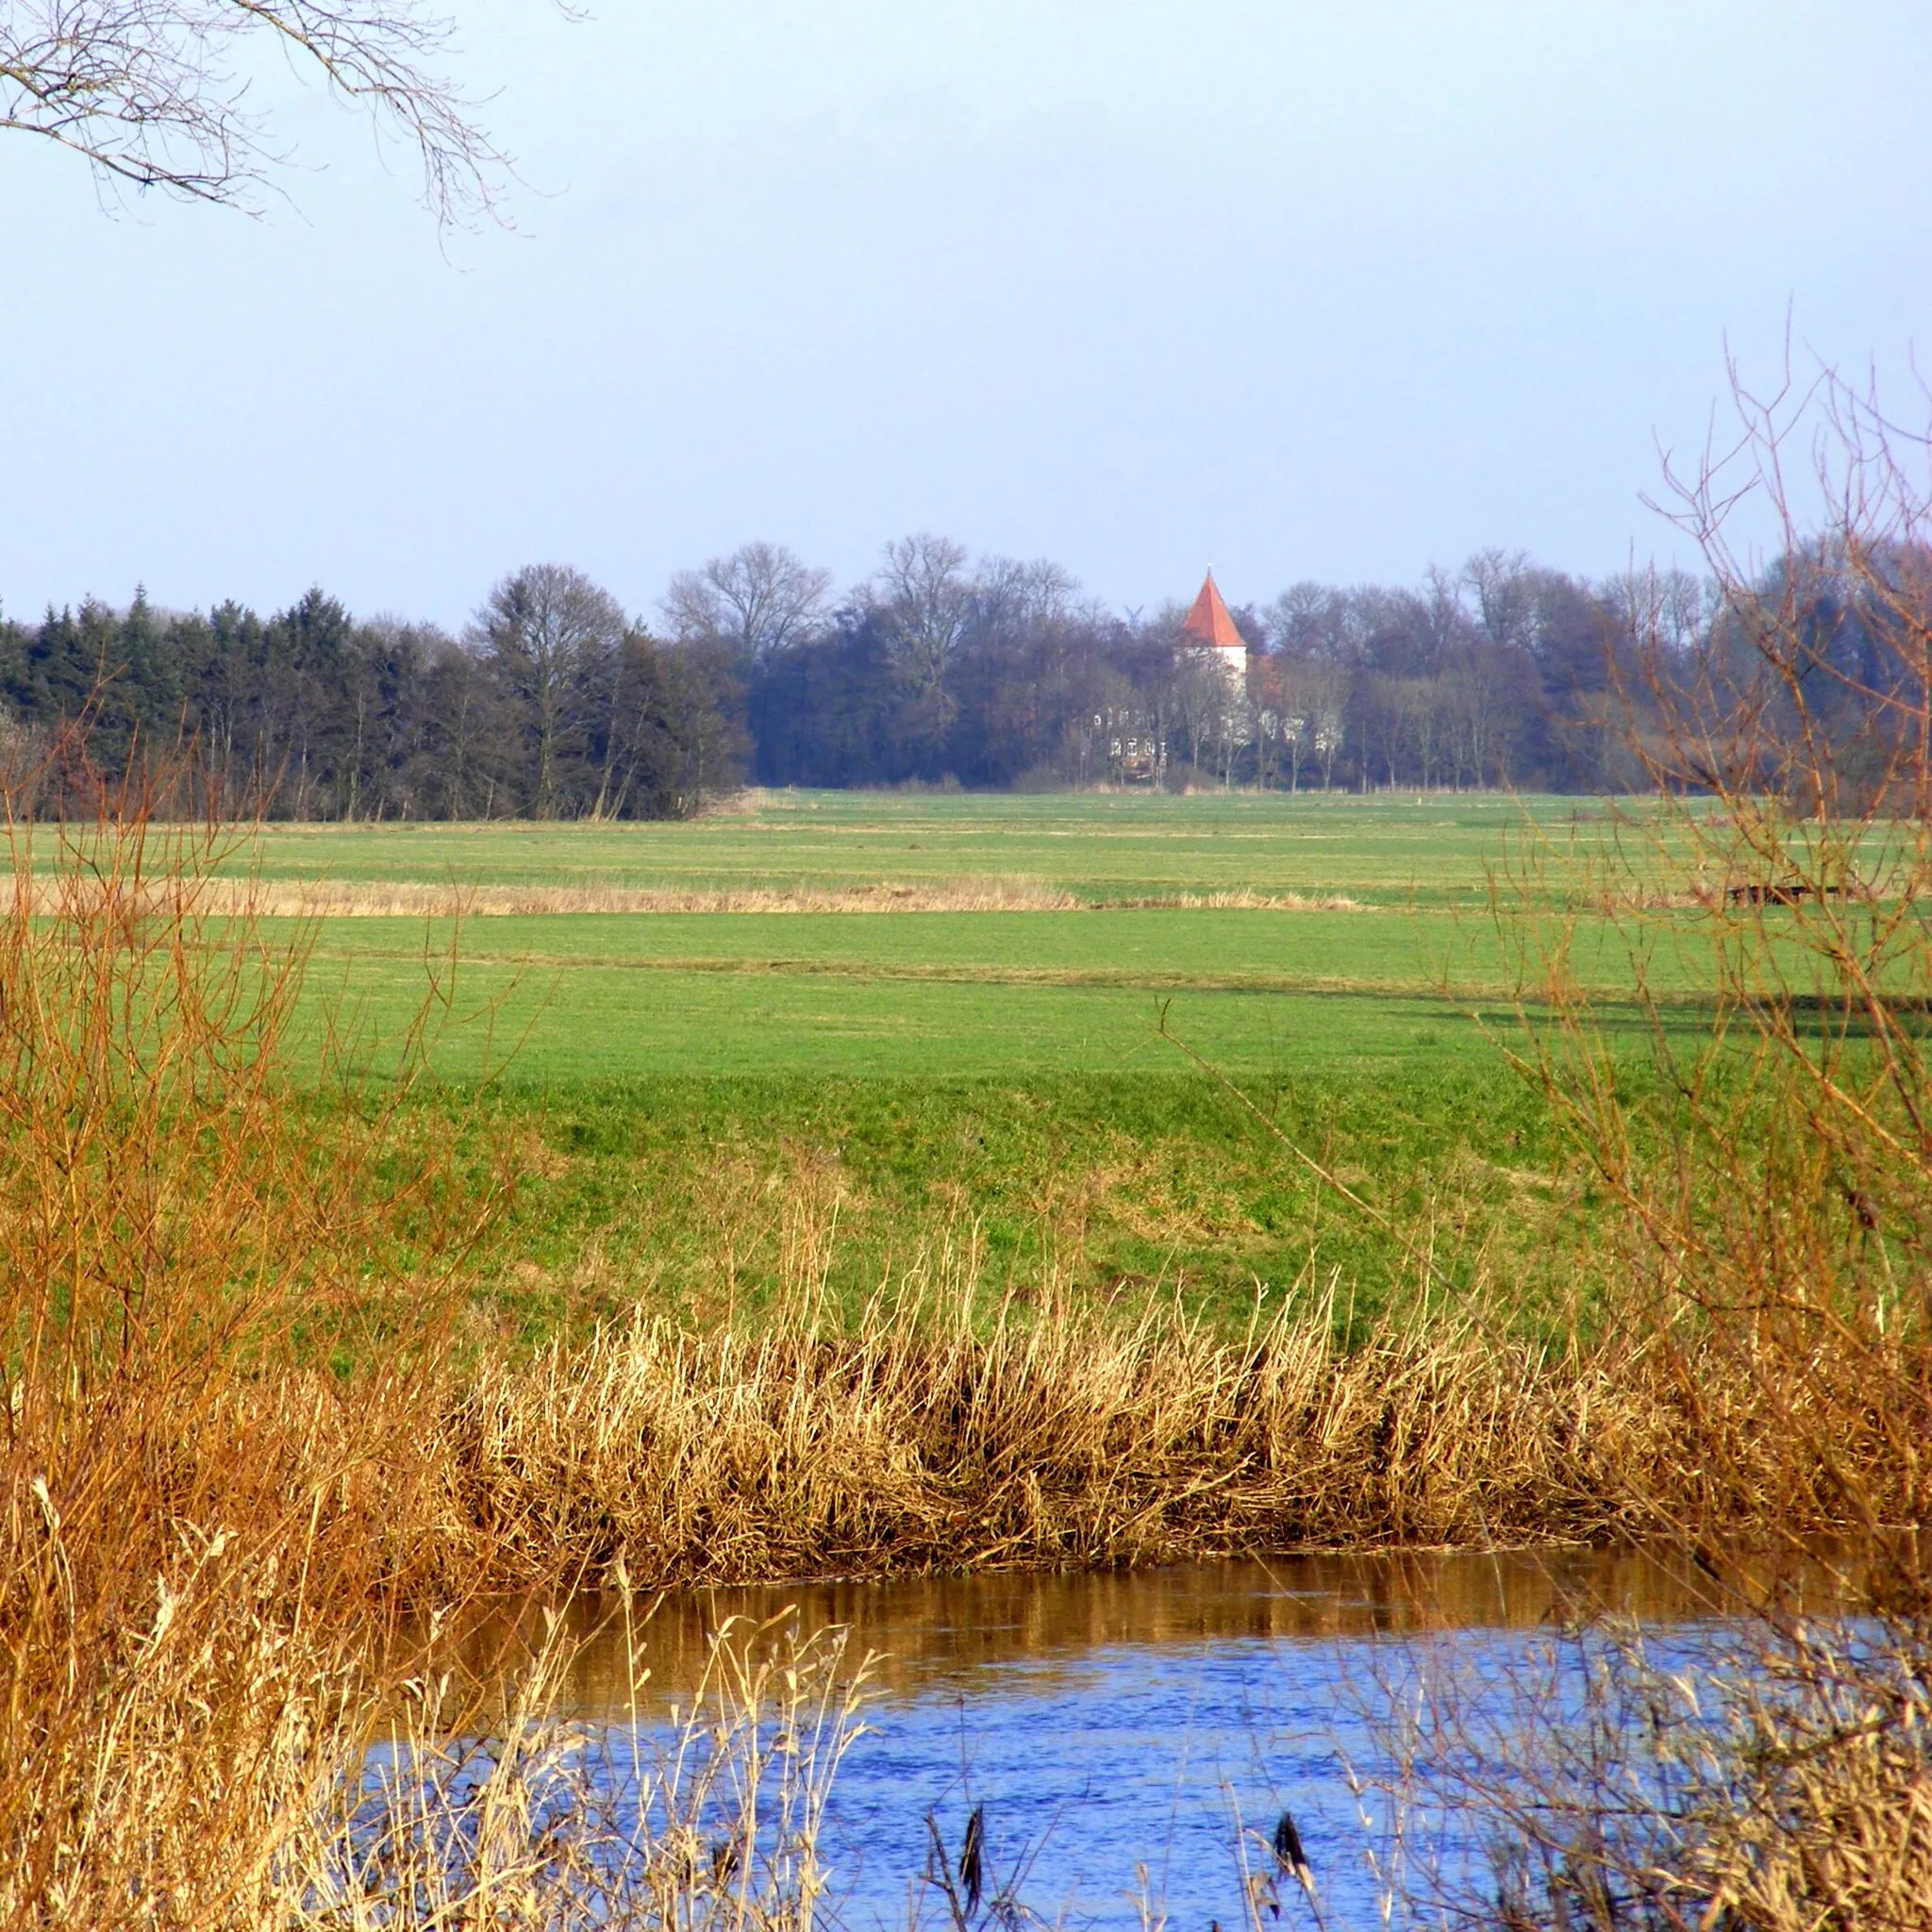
326,898
431,899
1245,900
521,1820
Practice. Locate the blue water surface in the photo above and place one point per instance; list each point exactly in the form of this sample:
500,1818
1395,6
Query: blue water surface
1125,1735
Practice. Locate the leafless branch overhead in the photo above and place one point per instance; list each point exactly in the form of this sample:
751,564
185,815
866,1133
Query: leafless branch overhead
157,92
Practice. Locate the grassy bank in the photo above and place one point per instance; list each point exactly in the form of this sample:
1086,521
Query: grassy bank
685,1197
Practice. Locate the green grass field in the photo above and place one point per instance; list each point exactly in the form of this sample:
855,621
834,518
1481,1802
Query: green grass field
694,1086
595,995
1101,847
891,995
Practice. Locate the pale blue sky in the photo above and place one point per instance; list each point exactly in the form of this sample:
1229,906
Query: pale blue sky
1329,291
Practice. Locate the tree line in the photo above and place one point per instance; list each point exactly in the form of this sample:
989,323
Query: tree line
553,703
940,669
1000,674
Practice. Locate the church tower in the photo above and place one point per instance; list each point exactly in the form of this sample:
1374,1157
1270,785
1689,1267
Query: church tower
1210,628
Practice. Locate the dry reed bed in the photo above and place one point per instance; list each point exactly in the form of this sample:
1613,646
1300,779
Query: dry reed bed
1064,1440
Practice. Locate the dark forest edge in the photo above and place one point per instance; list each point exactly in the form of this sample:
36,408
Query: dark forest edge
940,669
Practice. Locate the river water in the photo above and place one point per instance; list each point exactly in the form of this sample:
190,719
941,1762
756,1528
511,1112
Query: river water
1115,1726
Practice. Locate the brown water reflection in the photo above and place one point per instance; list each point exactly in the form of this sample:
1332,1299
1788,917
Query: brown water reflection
942,1633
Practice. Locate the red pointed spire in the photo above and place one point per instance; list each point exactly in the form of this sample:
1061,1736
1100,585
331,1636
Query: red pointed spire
1208,622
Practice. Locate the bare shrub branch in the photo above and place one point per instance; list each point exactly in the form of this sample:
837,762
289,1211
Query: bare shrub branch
1766,1169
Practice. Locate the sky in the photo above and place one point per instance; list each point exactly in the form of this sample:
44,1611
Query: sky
1333,291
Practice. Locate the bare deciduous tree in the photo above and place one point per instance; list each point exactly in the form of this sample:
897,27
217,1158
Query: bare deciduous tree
547,628
1010,597
926,597
1504,598
160,92
757,601
924,586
